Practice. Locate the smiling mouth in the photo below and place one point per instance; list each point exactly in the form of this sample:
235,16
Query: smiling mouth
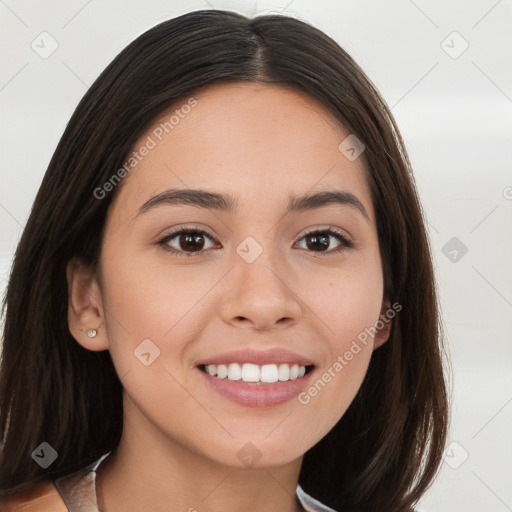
249,373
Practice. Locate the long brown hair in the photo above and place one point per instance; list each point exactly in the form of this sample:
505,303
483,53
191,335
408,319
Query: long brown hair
386,449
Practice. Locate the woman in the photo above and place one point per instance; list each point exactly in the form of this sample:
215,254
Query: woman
224,295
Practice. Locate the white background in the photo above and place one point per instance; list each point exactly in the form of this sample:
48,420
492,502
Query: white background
455,117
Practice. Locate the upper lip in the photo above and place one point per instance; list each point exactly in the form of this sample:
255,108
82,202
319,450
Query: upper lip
258,356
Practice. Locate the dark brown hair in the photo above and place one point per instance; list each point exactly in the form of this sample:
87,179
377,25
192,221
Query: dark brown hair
386,449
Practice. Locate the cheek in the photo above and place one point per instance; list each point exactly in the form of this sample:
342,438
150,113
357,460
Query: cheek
346,303
151,299
156,311
345,315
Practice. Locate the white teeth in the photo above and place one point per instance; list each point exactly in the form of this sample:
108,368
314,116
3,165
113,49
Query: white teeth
269,373
284,372
234,371
222,371
249,372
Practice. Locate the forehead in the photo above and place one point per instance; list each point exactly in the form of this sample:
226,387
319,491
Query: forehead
261,143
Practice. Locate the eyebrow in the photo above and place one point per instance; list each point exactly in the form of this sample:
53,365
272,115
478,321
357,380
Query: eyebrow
224,202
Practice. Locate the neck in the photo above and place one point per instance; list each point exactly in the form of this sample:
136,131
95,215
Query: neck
149,473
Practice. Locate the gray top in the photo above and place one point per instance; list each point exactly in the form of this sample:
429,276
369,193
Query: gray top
78,491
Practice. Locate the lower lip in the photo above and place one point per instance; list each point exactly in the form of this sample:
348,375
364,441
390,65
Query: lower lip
258,395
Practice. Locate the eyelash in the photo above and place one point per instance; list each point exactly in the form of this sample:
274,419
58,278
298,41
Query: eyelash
345,244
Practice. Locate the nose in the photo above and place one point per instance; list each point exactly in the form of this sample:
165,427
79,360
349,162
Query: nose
260,295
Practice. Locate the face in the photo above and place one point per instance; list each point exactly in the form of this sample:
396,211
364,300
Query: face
259,284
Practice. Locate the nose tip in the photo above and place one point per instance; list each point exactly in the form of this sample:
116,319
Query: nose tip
260,297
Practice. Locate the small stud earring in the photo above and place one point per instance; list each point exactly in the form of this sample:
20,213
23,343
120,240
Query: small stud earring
91,333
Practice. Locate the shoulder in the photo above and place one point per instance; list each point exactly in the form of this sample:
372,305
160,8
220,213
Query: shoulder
41,497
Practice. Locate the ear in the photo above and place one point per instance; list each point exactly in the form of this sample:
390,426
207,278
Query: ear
383,325
85,310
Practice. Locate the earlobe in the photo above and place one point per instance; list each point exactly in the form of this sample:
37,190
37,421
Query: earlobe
383,326
86,319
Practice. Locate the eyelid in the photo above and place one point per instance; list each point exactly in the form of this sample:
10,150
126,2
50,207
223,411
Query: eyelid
326,227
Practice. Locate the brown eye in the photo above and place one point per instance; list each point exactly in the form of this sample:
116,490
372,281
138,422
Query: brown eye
320,240
186,242
194,242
